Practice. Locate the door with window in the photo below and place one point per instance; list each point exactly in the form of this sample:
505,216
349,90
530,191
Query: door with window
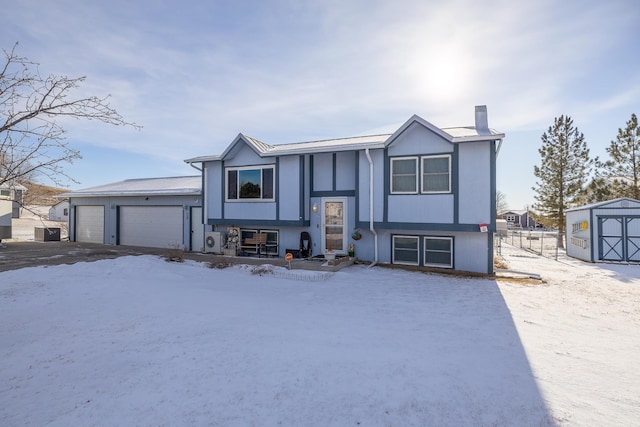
334,219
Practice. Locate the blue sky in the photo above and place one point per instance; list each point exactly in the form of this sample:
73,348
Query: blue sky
195,74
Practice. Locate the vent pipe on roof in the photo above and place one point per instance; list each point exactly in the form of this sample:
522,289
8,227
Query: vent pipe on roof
482,122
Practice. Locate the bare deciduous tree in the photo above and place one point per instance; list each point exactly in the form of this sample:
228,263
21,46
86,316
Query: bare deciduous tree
501,202
32,142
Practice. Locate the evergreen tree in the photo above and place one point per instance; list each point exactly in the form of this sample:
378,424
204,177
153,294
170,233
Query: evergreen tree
598,190
623,167
562,174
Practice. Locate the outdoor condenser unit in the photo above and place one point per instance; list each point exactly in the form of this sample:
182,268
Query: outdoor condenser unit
213,242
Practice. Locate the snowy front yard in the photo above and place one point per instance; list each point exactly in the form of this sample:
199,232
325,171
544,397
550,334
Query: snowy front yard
140,341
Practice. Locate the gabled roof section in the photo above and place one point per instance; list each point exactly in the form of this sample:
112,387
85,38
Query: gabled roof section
632,203
470,133
296,148
259,147
172,186
453,135
513,211
331,145
262,149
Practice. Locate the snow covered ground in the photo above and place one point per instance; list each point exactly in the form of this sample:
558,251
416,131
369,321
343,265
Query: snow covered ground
141,341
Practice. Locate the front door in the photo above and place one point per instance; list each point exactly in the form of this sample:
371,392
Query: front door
334,219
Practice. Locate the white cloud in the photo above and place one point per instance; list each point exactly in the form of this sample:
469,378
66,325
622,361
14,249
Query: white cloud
197,74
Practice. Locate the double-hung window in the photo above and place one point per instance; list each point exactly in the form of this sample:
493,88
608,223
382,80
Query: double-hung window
436,174
404,175
426,174
405,250
250,183
438,252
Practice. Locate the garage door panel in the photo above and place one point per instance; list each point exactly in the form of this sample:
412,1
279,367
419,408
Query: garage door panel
151,226
89,224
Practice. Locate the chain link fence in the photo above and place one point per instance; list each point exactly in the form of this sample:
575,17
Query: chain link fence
541,242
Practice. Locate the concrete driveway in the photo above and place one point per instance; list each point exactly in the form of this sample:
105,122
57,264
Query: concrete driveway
18,254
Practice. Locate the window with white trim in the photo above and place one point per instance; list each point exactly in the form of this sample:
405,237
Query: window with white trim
436,174
404,175
250,183
405,250
438,252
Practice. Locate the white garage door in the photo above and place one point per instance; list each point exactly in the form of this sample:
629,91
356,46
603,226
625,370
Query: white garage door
90,224
151,226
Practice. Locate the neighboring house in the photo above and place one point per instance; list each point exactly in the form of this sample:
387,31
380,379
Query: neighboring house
422,196
154,212
15,193
519,219
5,219
605,231
59,211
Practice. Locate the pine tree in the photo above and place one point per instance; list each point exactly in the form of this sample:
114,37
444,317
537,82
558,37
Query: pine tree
623,167
562,174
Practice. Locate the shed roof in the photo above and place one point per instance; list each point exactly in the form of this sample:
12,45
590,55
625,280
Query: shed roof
171,186
13,185
605,203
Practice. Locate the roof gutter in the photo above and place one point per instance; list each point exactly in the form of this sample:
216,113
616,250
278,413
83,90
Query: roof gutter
375,234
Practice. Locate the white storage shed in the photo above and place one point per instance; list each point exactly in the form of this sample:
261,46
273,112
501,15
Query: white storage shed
150,212
605,231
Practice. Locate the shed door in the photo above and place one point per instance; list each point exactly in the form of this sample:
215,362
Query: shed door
619,238
150,226
89,224
632,229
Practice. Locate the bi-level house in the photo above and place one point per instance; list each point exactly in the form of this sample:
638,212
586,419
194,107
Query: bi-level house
422,196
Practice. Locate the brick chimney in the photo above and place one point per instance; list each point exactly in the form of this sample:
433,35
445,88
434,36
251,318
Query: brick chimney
482,123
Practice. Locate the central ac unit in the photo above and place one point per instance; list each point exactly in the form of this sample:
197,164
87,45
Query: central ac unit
213,242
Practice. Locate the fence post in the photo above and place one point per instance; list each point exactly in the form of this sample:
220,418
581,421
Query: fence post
541,242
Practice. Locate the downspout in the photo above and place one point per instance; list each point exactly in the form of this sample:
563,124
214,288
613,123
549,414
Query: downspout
195,167
498,149
375,234
204,205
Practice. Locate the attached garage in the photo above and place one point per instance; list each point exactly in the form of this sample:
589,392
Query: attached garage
89,224
151,226
150,212
605,231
